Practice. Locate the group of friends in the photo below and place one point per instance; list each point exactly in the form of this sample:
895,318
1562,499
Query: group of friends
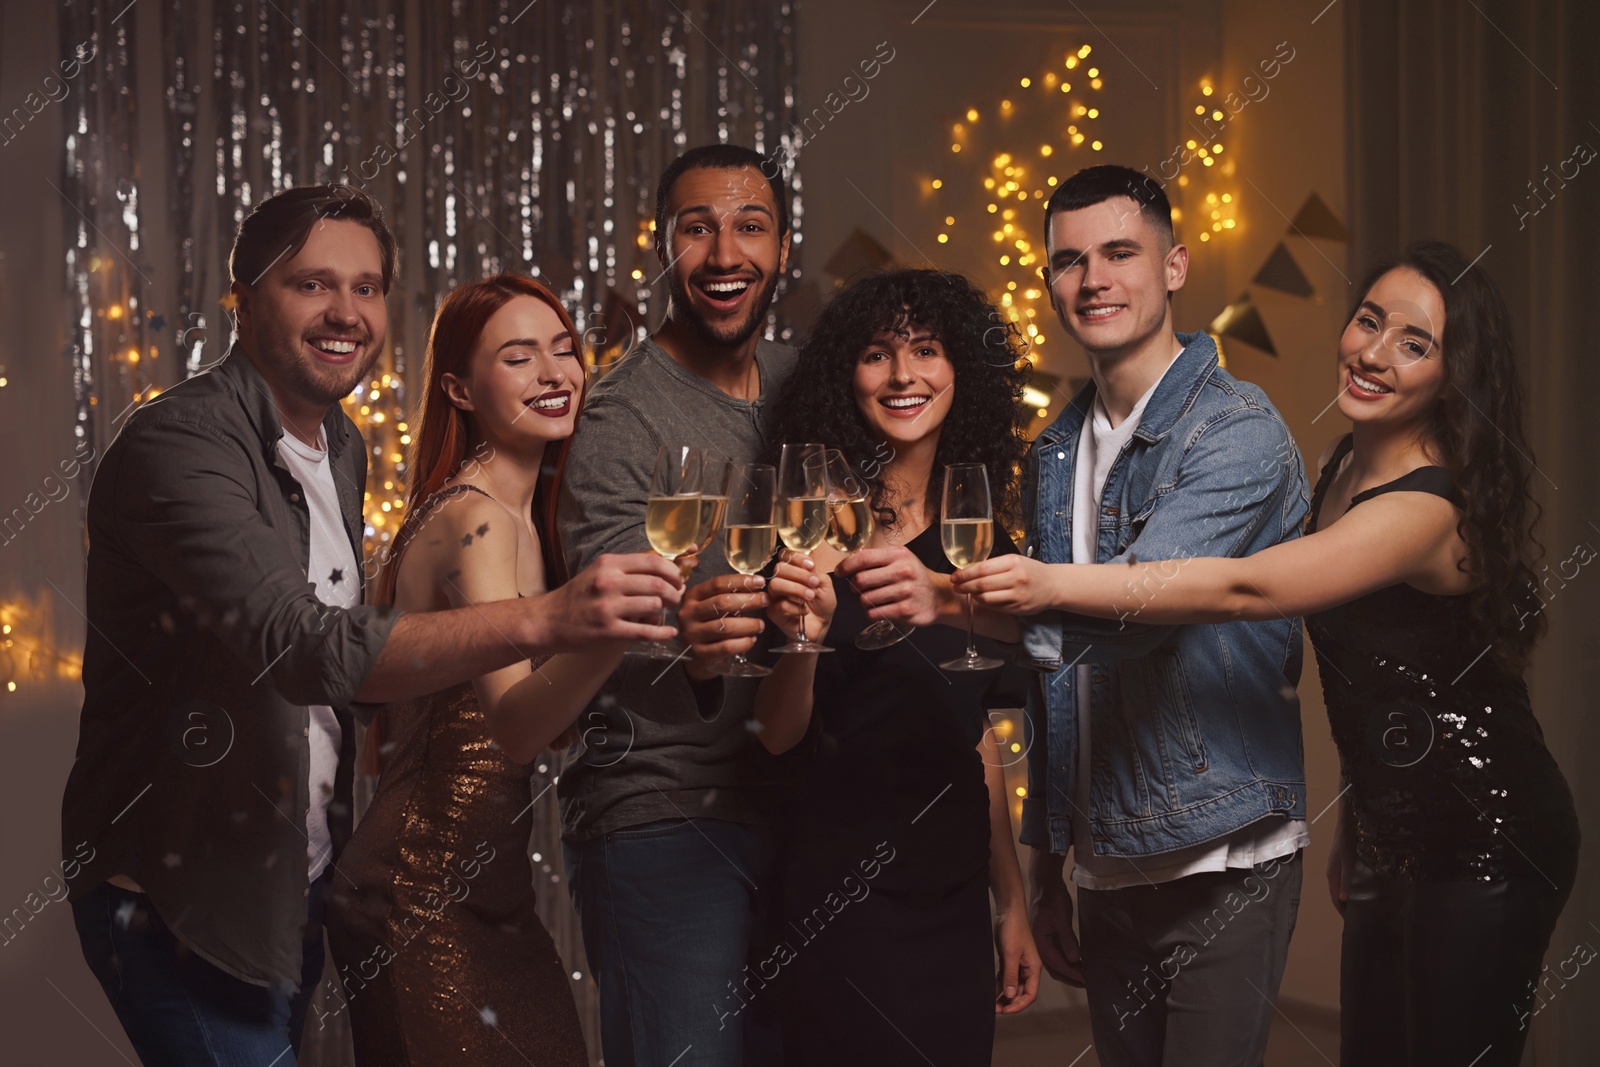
816,866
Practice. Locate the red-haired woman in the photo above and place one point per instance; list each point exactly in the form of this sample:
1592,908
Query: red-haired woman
433,922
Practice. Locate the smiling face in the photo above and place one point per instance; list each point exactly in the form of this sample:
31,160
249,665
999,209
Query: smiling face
315,323
904,386
1110,274
722,251
525,379
1391,365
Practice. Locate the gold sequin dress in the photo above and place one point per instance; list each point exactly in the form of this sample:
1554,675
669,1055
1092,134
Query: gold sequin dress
431,916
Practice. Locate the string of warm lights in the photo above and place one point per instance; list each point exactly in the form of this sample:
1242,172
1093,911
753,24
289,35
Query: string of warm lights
28,650
124,327
1221,211
1018,177
1015,178
379,412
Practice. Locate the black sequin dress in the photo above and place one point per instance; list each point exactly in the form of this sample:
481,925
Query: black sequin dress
1466,839
1448,772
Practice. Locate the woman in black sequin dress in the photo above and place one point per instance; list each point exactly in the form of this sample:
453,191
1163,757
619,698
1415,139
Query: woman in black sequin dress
1457,839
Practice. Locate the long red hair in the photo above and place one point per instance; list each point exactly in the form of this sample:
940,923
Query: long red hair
439,444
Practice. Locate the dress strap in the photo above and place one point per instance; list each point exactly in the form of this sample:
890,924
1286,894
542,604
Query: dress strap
1340,450
423,511
1433,479
447,492
1436,480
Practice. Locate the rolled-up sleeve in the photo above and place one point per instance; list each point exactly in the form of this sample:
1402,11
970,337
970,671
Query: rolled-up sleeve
185,510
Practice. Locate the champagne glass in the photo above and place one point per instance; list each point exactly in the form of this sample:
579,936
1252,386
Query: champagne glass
749,539
672,522
850,528
803,517
966,530
716,475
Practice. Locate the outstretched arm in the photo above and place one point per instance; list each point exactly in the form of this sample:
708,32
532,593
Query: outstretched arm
525,708
1238,486
1393,538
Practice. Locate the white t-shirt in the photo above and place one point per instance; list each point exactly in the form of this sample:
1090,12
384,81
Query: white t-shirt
338,581
1098,447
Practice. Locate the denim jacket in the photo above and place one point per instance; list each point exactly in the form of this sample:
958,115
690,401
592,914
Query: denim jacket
1194,730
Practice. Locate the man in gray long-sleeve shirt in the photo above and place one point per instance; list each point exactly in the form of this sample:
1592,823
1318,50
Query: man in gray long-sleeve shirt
666,808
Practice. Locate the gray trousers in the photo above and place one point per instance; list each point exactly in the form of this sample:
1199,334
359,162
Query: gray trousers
1187,972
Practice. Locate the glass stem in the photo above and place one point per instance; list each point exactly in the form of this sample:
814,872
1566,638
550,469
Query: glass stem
972,648
683,572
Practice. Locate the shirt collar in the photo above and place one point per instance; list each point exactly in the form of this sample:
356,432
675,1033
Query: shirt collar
1179,386
1102,418
256,398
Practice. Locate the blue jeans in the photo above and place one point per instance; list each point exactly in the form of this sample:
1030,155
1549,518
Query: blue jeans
178,1009
671,912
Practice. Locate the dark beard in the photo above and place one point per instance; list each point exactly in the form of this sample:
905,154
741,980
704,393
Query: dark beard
740,333
316,384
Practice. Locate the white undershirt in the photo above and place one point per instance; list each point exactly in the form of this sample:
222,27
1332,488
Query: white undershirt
1098,447
338,581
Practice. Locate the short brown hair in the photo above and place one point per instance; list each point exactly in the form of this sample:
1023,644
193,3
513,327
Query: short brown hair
279,226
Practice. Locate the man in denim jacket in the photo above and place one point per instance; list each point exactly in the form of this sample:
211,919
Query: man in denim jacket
1167,758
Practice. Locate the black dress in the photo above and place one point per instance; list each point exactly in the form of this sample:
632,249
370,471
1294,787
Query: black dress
1466,837
884,938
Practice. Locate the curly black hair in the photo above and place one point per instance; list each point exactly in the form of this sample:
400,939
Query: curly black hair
1476,428
985,349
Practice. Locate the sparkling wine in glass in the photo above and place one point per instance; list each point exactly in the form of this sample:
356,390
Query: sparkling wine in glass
802,517
966,530
850,527
716,475
672,523
749,539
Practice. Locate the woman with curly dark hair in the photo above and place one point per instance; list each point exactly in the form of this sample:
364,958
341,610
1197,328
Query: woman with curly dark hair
1457,838
902,827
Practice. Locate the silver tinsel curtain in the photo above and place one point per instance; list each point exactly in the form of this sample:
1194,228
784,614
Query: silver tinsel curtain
522,136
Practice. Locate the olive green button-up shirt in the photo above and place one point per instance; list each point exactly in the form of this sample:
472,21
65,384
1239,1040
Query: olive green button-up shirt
206,642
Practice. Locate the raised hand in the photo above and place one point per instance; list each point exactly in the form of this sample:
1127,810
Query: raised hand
1014,584
795,582
893,584
615,598
711,621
